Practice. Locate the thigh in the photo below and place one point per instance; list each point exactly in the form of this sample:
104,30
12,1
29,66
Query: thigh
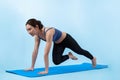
73,45
58,50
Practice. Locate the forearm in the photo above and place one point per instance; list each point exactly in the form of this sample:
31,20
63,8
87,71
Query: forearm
46,55
34,56
46,60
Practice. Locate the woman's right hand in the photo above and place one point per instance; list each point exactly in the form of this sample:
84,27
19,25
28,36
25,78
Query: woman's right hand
29,69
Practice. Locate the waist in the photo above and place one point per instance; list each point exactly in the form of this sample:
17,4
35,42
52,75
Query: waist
61,38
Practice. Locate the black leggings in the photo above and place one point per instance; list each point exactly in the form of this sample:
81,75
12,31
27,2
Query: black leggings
70,43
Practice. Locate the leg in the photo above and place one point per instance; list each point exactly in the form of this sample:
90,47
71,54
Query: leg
57,55
73,45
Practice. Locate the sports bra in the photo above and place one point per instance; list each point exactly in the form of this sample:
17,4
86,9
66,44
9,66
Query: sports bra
56,35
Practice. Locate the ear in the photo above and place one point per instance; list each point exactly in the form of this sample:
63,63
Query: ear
37,27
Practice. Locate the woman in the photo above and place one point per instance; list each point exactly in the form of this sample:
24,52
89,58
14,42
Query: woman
61,41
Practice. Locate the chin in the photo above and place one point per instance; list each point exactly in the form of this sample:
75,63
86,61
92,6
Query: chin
32,35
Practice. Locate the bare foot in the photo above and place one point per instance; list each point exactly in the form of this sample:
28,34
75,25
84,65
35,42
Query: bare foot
71,56
43,72
29,69
94,62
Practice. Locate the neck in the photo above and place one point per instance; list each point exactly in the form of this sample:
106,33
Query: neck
41,32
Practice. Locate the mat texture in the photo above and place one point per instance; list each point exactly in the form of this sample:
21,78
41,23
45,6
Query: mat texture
58,70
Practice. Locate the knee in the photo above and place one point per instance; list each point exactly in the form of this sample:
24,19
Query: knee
56,62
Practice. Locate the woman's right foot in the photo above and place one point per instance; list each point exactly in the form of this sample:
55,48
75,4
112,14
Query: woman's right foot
94,62
71,56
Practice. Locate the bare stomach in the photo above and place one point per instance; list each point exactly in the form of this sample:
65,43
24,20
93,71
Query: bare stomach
61,38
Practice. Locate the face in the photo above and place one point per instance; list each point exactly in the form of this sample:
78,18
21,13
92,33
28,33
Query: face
31,30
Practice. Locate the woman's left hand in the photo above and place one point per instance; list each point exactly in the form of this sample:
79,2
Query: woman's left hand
43,72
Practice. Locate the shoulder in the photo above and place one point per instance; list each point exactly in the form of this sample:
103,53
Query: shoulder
50,30
36,38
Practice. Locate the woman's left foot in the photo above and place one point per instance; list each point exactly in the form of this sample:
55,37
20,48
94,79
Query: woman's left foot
71,56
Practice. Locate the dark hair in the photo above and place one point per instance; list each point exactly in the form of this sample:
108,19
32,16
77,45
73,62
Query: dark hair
33,22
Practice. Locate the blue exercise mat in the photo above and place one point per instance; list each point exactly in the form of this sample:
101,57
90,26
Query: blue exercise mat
58,70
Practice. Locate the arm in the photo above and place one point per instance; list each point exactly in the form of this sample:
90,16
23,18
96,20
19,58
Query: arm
35,53
49,37
46,52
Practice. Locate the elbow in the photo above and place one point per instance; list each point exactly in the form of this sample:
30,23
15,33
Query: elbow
45,55
35,53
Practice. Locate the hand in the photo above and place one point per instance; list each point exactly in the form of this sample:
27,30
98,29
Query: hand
29,69
43,72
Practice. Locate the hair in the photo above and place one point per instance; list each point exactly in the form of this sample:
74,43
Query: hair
33,22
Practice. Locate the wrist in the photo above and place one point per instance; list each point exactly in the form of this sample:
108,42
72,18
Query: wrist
32,67
46,70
